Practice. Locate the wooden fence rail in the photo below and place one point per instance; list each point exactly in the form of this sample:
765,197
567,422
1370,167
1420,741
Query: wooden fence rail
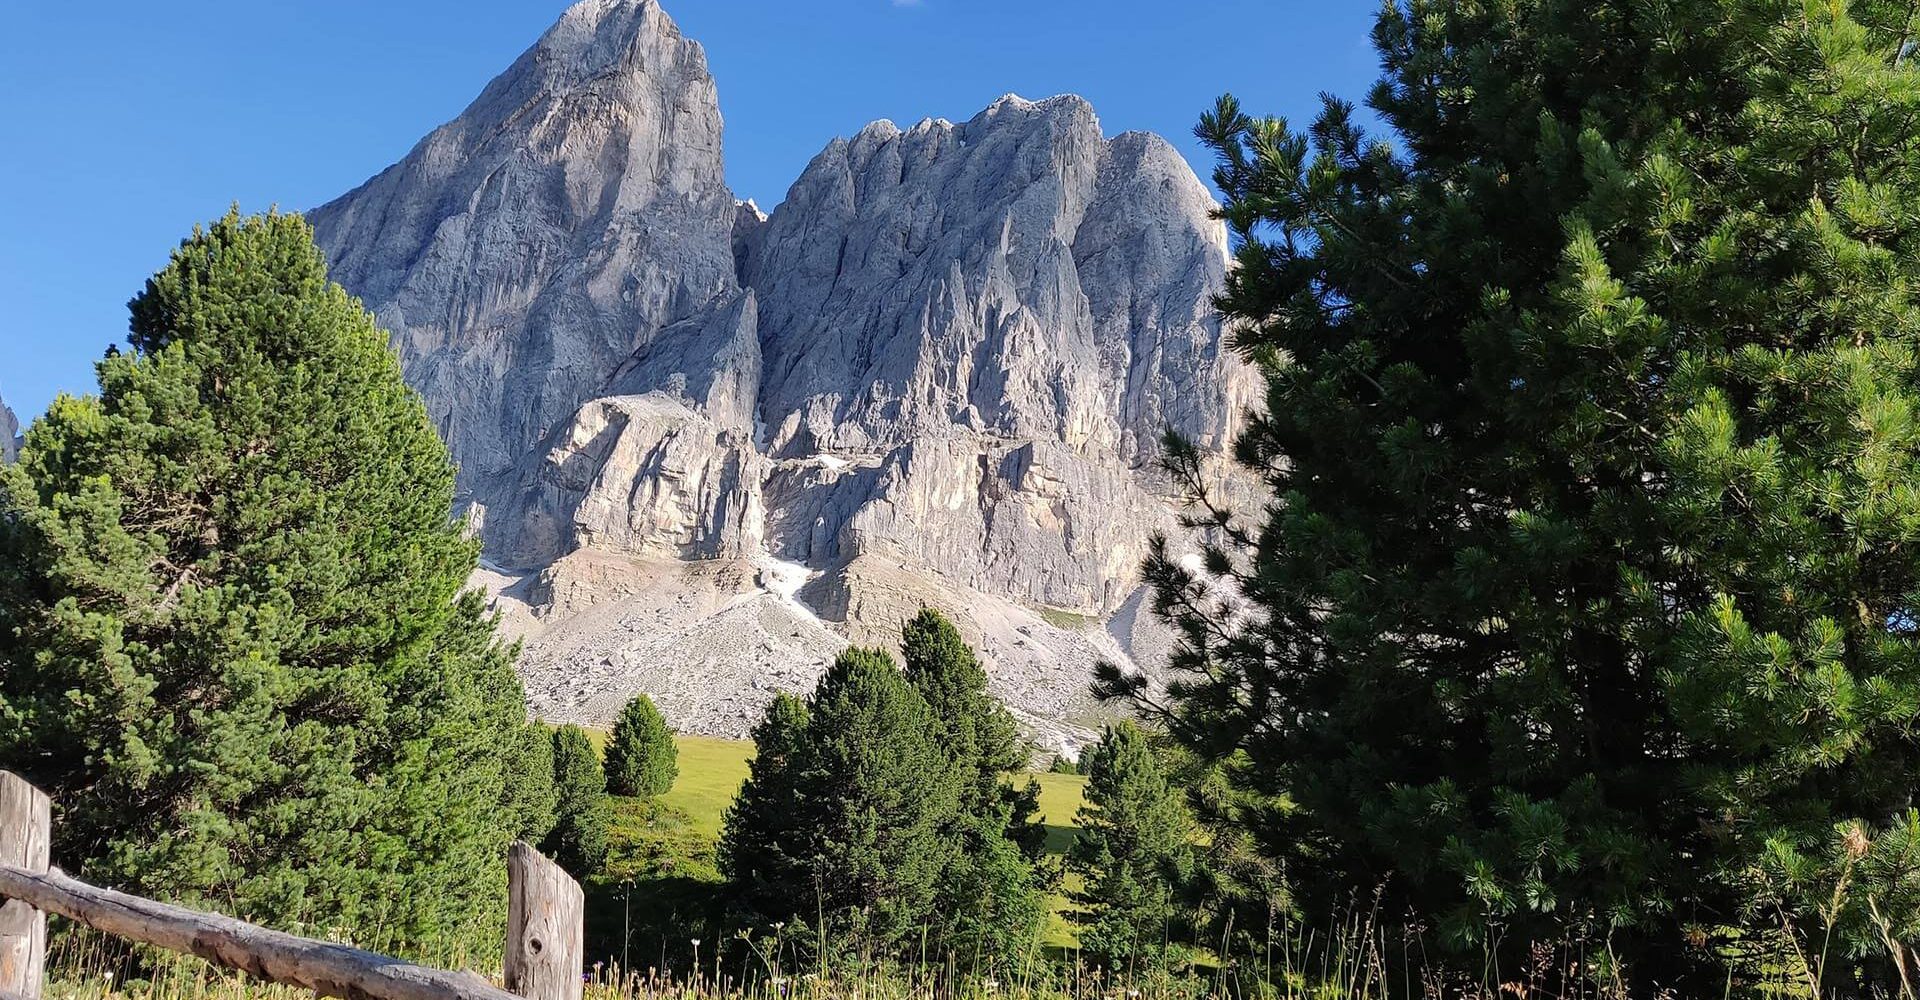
544,950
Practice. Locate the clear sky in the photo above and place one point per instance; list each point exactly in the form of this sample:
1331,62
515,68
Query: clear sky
129,121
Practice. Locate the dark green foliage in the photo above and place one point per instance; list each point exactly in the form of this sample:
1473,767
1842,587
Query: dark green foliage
758,821
233,642
845,811
1133,854
641,757
1587,596
989,905
1024,824
578,840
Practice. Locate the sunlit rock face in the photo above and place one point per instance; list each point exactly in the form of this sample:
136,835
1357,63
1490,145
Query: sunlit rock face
524,251
992,323
937,373
9,434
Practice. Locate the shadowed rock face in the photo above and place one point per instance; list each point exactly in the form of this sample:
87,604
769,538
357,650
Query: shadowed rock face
938,371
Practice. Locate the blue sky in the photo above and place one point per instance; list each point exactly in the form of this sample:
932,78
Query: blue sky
128,122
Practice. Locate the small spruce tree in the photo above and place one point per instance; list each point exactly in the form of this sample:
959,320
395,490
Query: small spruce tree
845,812
1133,853
578,840
989,905
641,757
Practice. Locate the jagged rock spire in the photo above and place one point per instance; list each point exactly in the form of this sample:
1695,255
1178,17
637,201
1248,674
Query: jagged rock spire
524,251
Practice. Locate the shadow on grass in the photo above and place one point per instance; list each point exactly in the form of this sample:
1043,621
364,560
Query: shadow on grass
651,923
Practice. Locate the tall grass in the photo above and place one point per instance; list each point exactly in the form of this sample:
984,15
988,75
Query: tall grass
1356,958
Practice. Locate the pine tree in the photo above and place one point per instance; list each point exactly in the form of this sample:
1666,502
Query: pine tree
989,906
976,729
1133,854
233,642
844,813
1586,595
582,815
641,756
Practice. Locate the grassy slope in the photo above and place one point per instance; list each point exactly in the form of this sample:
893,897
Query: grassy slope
711,771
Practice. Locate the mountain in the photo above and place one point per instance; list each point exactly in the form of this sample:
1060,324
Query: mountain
522,252
9,434
991,324
706,447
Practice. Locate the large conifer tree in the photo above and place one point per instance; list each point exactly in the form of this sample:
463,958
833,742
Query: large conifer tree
641,756
233,640
578,841
1587,593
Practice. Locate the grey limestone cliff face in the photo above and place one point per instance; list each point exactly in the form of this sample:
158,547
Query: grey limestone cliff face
661,463
524,251
938,371
998,319
9,434
1020,274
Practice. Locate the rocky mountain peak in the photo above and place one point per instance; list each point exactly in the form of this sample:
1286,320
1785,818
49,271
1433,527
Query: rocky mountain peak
706,445
595,38
523,251
972,244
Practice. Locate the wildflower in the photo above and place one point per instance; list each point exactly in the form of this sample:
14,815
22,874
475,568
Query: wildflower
1856,842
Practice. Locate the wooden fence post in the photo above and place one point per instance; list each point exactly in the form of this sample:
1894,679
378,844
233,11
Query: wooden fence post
26,827
546,914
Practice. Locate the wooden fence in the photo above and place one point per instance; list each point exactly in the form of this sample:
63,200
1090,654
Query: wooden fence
544,947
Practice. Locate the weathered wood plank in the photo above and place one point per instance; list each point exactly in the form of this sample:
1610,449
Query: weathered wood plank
546,913
26,824
333,970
